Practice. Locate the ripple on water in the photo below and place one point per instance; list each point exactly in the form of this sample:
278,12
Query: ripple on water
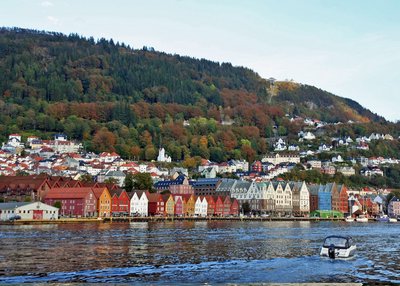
196,252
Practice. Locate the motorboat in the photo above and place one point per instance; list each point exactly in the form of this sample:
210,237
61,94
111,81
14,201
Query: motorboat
382,218
338,247
349,219
362,218
393,219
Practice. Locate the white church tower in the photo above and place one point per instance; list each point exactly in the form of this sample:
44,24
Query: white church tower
162,157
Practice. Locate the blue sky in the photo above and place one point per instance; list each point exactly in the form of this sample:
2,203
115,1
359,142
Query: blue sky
348,47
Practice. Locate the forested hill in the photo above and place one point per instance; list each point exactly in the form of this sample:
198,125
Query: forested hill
116,97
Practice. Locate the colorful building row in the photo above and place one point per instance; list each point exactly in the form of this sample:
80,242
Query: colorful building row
153,204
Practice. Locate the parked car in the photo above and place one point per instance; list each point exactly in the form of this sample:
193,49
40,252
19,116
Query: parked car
14,217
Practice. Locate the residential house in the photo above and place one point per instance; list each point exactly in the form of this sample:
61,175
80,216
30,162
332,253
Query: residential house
208,173
347,171
118,176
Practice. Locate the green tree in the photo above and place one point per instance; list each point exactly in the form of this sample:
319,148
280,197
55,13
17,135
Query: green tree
111,180
129,182
142,181
86,178
57,204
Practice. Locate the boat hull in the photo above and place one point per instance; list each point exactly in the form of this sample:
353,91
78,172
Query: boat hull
339,253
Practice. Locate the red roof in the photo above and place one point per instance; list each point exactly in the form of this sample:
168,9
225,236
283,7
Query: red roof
68,193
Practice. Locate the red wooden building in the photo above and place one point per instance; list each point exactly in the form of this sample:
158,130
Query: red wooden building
227,203
156,204
234,207
77,202
219,206
178,205
211,205
343,199
120,202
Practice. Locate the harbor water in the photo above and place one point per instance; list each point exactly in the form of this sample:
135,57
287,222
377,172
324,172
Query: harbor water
196,252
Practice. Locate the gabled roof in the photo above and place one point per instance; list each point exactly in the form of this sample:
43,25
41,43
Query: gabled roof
153,197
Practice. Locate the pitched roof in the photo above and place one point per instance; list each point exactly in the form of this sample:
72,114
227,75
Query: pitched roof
68,193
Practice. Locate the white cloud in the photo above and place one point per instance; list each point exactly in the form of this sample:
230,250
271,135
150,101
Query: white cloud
47,4
53,20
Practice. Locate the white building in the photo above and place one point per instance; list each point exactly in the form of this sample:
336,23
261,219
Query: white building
28,211
277,159
139,204
283,198
200,207
162,157
15,140
304,198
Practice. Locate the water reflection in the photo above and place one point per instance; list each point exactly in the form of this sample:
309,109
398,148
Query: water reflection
195,251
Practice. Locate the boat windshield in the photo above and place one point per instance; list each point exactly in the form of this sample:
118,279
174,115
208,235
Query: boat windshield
336,241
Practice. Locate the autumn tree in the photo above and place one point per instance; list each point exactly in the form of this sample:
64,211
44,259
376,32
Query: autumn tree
104,140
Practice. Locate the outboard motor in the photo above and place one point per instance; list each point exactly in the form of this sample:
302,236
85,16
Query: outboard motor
331,251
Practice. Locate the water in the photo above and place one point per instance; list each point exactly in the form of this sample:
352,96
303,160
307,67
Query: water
196,252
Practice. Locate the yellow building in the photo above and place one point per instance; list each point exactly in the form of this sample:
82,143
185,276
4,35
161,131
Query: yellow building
169,204
189,203
103,201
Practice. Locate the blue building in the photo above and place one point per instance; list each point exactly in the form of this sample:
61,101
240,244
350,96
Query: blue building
324,199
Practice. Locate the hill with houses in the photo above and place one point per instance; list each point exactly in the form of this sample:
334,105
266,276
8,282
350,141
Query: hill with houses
115,98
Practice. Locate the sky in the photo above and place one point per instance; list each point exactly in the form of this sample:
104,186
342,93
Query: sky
350,48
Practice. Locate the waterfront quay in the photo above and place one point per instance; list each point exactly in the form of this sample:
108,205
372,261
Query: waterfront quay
162,219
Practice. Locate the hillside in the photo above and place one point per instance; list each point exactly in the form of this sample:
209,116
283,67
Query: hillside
115,97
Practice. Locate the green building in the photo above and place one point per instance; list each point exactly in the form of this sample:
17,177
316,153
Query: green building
326,214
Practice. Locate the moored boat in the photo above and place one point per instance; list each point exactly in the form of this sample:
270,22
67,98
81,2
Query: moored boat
393,219
362,218
349,219
382,218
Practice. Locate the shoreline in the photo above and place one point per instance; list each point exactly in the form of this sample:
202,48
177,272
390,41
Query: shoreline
162,219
